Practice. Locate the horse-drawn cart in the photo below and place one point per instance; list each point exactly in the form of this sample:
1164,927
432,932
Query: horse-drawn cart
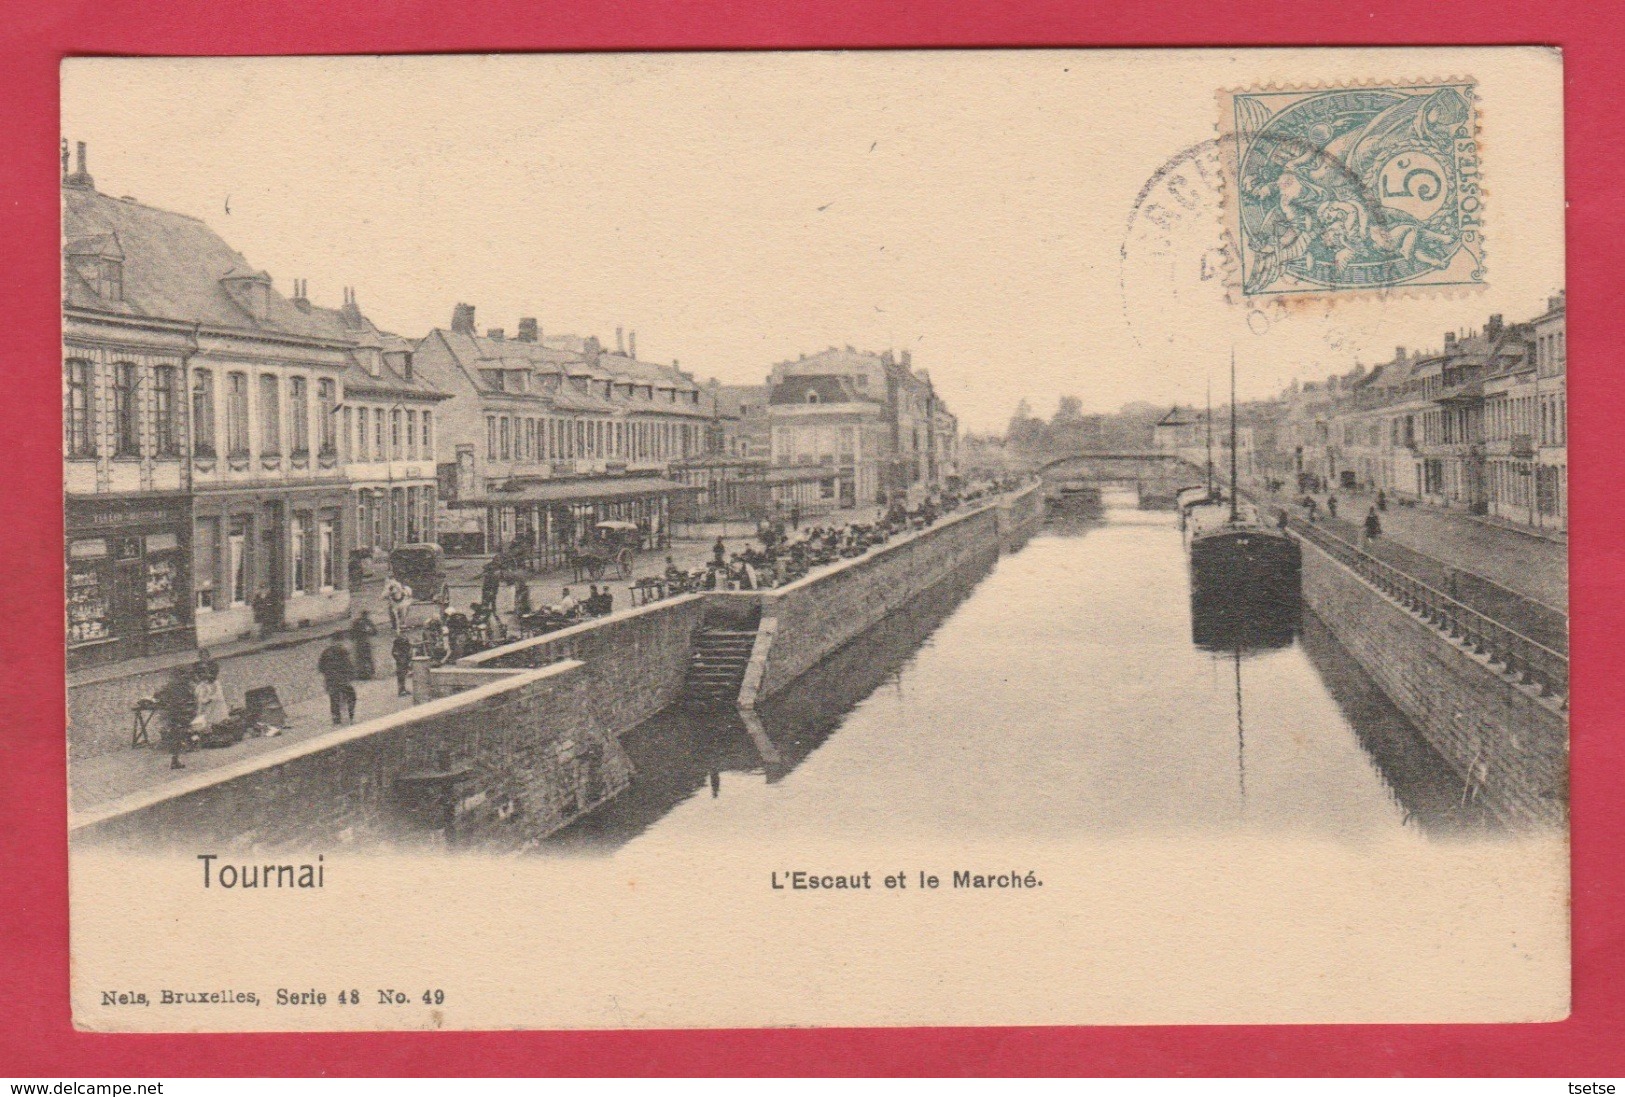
609,545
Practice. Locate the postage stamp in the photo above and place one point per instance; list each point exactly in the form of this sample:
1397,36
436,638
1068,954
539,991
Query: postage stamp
1347,189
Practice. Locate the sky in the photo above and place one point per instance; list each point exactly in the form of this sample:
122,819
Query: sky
987,211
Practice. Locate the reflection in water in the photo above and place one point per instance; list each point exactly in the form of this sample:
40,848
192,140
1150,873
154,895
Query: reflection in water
1423,786
1059,694
678,752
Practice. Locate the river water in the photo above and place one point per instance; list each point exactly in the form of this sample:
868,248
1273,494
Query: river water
1059,694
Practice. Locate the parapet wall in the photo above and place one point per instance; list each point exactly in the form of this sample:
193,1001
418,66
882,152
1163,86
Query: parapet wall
633,662
1508,741
502,764
810,618
1021,513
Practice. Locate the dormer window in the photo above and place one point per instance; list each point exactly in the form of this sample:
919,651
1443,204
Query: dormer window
812,398
110,279
100,262
251,290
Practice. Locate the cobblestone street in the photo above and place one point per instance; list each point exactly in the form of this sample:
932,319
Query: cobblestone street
105,767
107,777
1530,565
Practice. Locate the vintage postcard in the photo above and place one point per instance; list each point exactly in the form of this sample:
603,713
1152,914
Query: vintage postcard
816,539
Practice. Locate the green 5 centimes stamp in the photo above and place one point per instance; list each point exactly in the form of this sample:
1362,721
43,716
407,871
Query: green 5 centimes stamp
1349,189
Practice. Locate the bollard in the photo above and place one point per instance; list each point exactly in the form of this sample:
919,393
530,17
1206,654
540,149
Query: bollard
420,679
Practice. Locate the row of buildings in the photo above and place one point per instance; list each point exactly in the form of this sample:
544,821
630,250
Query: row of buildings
1477,424
228,449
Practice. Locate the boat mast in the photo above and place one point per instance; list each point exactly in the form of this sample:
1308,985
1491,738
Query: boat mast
1234,514
1210,438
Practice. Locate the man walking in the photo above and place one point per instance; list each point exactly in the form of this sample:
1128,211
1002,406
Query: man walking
338,675
401,651
491,584
1373,526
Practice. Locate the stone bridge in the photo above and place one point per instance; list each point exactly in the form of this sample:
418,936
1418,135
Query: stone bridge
1158,477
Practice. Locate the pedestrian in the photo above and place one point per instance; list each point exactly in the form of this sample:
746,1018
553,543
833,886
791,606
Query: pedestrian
338,676
1373,526
397,596
212,709
521,598
177,706
479,620
434,640
457,630
1382,501
795,517
362,630
491,584
1331,506
265,611
1281,520
205,669
401,651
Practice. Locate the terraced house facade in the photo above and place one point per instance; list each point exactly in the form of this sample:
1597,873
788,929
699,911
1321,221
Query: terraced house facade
1479,425
207,435
544,436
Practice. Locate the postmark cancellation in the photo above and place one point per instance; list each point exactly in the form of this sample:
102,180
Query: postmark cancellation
1339,190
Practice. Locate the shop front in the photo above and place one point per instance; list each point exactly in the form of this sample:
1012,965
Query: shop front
269,560
128,577
548,521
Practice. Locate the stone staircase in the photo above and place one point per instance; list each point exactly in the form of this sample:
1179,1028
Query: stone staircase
717,668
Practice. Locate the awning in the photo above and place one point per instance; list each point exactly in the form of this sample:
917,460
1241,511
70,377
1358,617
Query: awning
590,490
799,475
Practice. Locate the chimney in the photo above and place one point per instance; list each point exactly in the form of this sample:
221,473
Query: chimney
1399,354
1449,340
906,359
300,300
1493,328
620,341
496,333
351,310
462,319
631,344
528,331
80,178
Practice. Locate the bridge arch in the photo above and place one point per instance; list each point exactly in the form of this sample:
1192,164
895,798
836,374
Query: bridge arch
1157,477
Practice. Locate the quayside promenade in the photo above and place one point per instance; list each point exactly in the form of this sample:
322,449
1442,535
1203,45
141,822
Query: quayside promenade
567,696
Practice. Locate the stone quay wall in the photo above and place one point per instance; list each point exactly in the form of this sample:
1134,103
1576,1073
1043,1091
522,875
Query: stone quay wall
510,744
1506,740
633,662
1021,514
812,617
500,765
